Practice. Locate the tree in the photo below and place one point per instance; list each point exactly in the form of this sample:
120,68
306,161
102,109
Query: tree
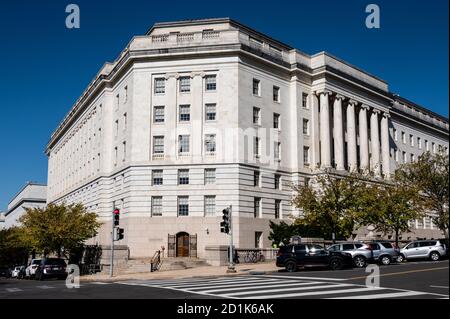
13,251
280,233
430,173
58,228
331,203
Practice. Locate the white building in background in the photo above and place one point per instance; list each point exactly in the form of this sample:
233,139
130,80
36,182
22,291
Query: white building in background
198,115
32,195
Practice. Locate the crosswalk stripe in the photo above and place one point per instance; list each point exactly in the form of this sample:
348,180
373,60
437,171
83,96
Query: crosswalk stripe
100,283
261,286
44,287
306,278
13,289
386,295
267,282
287,289
218,283
175,282
313,293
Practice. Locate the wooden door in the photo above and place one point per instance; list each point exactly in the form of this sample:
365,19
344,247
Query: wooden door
182,245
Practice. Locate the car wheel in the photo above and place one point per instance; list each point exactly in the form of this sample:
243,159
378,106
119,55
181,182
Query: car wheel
336,263
385,260
291,266
401,258
359,261
434,256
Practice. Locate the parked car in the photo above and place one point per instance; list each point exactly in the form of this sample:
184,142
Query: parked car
383,252
5,272
31,269
51,268
17,271
360,253
431,249
292,257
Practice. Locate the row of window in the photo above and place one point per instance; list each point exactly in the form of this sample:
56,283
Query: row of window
209,206
183,177
184,113
412,142
276,120
276,96
184,144
184,84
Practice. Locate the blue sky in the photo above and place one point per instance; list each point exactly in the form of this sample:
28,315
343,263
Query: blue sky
45,66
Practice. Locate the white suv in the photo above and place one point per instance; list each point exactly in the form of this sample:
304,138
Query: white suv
432,249
30,271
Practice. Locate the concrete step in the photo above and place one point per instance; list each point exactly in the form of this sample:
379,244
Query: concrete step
141,265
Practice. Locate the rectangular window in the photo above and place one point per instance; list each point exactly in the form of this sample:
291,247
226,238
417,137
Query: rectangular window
210,143
210,112
158,114
427,146
183,176
124,121
276,120
124,145
256,116
276,94
256,87
411,140
115,156
403,137
257,207
258,239
256,179
396,155
395,135
404,157
183,143
158,144
277,181
183,206
210,176
306,181
305,126
277,208
306,155
116,128
412,158
210,205
185,113
156,206
256,147
185,84
433,147
160,85
157,177
117,101
305,100
419,143
277,151
210,83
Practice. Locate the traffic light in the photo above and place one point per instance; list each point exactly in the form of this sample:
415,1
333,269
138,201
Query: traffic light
118,233
116,216
225,225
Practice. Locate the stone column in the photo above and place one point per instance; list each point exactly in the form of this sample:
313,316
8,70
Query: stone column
375,142
338,133
351,137
363,138
325,155
385,150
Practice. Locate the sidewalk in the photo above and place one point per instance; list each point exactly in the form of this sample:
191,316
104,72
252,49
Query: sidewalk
206,271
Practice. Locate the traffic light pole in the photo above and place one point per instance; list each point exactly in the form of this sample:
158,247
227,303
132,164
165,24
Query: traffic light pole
231,261
112,248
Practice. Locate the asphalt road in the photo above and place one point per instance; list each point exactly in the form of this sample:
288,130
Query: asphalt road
412,280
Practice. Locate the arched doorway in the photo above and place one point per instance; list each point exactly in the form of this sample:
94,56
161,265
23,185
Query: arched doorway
182,244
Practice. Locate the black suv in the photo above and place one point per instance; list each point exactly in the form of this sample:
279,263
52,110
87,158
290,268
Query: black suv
51,268
308,255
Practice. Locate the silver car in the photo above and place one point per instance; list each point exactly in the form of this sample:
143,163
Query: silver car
431,249
360,254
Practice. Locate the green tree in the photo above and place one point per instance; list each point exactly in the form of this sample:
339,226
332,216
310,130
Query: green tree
280,232
13,251
430,173
58,228
331,203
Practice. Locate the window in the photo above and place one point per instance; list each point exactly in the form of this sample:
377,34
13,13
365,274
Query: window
347,247
276,120
277,151
157,177
306,181
156,206
277,208
305,100
210,112
210,83
183,144
404,157
411,140
419,143
124,145
185,113
124,121
256,146
126,94
427,146
396,155
256,87
257,207
412,158
258,239
305,126
116,128
276,94
210,176
160,85
256,116
185,84
183,206
256,178
433,147
210,205
277,181
158,144
158,114
183,176
395,135
115,156
210,143
403,137
117,101
306,155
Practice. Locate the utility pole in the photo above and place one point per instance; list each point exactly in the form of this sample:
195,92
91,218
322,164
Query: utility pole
231,260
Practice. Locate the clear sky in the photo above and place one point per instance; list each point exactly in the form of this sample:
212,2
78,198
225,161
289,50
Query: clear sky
45,66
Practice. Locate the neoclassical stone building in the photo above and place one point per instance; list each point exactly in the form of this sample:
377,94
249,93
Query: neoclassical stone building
198,115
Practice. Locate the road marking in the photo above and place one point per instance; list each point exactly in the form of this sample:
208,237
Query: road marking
261,286
311,278
266,282
220,283
387,295
100,283
13,289
287,289
443,287
312,293
400,273
44,287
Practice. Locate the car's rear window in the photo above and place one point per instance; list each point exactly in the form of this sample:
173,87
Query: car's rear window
358,245
387,245
348,246
427,243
